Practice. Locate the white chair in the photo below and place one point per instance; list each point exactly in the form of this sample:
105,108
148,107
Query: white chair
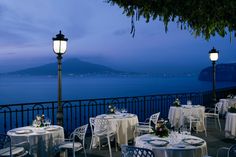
214,113
232,151
193,117
101,128
76,140
146,127
227,152
131,151
7,149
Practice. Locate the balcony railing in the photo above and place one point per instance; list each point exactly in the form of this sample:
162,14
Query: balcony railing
77,112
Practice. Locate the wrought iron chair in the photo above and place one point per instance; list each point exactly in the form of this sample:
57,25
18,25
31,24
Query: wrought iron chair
214,113
146,127
232,151
76,140
222,152
193,118
227,152
101,128
92,125
6,149
131,151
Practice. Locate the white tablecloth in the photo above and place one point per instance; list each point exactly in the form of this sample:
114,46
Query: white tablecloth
225,104
41,141
177,114
176,147
230,125
126,124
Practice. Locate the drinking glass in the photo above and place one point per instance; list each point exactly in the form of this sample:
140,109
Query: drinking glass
123,110
189,102
47,122
185,131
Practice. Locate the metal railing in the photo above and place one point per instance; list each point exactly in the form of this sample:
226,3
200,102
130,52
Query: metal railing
77,112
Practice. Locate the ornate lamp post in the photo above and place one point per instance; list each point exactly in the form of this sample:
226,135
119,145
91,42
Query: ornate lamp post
213,54
59,47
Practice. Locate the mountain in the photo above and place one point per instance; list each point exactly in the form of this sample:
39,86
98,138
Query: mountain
69,67
224,73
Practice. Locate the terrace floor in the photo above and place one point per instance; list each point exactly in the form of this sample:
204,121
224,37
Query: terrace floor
215,139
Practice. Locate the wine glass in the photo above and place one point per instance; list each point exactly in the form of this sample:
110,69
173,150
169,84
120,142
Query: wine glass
189,102
185,131
34,123
47,122
123,110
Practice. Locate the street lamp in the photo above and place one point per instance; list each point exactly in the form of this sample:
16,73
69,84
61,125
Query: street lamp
59,47
213,54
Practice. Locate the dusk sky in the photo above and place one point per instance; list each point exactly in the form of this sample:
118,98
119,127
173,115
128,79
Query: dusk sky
99,33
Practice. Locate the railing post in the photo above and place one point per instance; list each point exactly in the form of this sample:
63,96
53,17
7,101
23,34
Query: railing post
16,118
22,115
145,105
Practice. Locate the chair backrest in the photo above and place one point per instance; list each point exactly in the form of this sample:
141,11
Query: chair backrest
92,123
154,118
131,151
5,142
80,133
232,151
102,125
222,152
218,107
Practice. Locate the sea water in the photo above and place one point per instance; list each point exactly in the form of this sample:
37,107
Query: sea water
19,89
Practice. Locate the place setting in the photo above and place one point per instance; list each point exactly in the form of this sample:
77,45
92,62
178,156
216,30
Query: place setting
22,131
158,142
51,128
193,141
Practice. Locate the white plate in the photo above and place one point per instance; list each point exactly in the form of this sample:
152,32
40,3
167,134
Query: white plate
23,131
146,139
40,131
193,141
52,128
159,143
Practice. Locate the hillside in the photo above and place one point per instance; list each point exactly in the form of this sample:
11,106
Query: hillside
224,73
69,67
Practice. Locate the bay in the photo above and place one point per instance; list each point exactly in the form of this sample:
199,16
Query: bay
28,89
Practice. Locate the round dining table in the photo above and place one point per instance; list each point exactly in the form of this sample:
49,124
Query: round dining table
230,125
177,115
225,104
175,145
124,125
39,142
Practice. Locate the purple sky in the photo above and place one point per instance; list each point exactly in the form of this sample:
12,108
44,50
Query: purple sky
99,33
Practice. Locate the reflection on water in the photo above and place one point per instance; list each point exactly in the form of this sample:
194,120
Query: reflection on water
33,89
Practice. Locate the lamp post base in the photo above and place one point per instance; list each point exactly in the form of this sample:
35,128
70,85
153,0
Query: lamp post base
60,119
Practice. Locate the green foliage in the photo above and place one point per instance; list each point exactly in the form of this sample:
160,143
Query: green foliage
232,109
204,18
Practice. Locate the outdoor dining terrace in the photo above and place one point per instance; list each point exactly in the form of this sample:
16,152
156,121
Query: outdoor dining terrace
78,112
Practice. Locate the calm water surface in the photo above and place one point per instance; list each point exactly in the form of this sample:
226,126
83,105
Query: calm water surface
34,89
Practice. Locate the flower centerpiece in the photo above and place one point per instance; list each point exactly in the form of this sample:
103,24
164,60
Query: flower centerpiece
39,120
230,96
161,129
111,109
232,109
176,102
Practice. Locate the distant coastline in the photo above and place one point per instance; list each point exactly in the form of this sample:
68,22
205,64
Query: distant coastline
43,88
224,73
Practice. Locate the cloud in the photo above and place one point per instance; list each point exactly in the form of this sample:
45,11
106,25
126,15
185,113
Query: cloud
121,32
97,32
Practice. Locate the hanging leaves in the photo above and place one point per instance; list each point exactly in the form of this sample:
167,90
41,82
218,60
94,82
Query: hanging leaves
204,18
